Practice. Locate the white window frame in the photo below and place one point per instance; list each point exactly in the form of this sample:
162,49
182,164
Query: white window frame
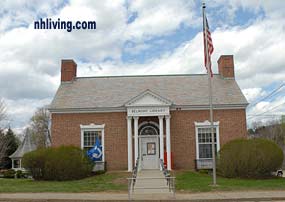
94,127
20,164
207,124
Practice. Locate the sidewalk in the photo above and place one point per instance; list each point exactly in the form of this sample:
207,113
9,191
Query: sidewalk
109,196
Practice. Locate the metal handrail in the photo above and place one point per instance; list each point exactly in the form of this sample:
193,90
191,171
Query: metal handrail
170,184
164,170
134,174
170,181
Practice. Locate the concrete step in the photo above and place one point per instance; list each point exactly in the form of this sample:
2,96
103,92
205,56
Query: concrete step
151,182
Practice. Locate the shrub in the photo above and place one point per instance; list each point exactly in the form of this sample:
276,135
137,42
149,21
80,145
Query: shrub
9,173
61,163
249,158
34,161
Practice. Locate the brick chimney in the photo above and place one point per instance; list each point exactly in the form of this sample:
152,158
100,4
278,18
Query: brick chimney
226,66
68,70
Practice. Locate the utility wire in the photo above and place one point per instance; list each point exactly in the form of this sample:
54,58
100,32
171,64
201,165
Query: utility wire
267,96
267,111
265,115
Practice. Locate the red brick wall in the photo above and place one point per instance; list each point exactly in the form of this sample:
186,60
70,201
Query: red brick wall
66,131
182,130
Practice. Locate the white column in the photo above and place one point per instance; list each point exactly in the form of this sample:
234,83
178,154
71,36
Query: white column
168,145
136,137
161,142
103,144
130,144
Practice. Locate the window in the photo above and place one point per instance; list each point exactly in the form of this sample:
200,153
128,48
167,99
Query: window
205,142
90,139
89,134
151,148
16,163
204,139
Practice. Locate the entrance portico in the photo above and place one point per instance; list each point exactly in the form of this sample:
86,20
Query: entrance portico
146,141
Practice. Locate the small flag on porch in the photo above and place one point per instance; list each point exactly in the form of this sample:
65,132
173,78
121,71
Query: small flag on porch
208,46
95,154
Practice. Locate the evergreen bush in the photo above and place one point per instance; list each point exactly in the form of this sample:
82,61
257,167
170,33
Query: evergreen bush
253,158
61,163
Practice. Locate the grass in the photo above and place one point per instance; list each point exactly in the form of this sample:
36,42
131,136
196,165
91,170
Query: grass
186,181
189,181
113,181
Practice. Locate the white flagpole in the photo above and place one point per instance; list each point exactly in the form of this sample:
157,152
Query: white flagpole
210,98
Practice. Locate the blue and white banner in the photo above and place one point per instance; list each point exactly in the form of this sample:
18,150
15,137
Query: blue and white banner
95,153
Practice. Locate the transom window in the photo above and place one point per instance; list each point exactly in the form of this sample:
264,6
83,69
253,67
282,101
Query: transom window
148,129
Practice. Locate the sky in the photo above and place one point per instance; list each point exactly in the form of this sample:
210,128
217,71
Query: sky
140,37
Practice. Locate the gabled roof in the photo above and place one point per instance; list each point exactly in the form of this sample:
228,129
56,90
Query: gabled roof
27,145
116,91
148,98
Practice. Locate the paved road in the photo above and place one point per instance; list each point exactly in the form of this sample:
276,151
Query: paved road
107,196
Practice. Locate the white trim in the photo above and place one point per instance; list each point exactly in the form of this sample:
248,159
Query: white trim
197,145
164,101
136,130
94,127
206,124
168,142
161,139
130,144
87,110
20,163
140,134
103,144
148,111
146,122
124,109
206,107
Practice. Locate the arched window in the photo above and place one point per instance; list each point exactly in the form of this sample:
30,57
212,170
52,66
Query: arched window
148,129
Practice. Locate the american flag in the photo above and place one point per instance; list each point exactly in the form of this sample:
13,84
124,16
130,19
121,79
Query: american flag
210,48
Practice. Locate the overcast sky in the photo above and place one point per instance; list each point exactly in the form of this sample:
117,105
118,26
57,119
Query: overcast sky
139,37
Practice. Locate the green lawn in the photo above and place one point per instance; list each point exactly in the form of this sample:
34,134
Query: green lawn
186,181
196,182
113,181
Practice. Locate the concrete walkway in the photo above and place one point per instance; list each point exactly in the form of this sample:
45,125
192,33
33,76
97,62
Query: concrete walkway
109,196
150,183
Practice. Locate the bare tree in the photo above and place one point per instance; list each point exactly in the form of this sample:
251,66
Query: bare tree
40,127
273,130
4,143
2,112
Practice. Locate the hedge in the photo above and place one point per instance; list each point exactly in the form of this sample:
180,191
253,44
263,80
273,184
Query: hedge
61,163
249,158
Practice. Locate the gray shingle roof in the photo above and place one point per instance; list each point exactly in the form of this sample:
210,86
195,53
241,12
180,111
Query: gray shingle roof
115,91
26,146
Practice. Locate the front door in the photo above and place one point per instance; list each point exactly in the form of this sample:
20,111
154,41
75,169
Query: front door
149,152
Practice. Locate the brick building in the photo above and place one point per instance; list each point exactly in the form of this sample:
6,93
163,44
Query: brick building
148,117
